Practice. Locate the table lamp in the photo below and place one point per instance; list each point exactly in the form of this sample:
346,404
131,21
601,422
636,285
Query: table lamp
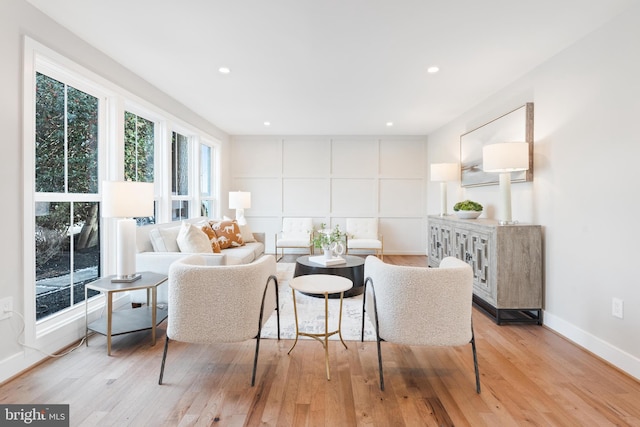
444,172
505,158
126,200
240,200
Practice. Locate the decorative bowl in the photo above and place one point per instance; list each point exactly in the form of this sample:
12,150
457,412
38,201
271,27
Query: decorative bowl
468,214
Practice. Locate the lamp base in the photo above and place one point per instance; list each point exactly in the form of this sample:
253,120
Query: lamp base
503,222
126,279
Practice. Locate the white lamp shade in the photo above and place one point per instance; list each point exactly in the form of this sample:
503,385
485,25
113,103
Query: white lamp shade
239,199
127,199
444,171
505,157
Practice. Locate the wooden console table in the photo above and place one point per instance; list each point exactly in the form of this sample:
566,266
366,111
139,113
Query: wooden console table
506,262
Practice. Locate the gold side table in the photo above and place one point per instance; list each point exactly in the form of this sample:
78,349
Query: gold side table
323,284
129,320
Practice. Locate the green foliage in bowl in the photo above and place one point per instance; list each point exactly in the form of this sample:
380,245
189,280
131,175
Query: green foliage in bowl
467,205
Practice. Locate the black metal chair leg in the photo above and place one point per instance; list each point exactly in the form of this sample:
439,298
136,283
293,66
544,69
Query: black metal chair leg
277,306
475,361
380,366
377,327
164,358
264,294
364,298
255,361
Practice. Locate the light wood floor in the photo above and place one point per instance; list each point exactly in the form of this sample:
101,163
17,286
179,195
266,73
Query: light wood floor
530,376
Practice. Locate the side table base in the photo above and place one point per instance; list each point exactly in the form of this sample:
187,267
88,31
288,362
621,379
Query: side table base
321,338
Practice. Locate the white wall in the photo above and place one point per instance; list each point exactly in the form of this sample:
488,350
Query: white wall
584,193
17,19
332,178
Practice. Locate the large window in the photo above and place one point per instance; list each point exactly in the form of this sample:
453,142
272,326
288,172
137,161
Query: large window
81,129
139,149
207,181
67,237
179,177
139,142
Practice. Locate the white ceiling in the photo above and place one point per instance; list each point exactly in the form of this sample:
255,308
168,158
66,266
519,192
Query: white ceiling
331,67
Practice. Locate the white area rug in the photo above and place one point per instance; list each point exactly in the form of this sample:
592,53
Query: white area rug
311,313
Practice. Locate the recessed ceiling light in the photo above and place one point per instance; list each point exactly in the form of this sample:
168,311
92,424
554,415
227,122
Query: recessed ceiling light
224,70
267,123
389,124
433,70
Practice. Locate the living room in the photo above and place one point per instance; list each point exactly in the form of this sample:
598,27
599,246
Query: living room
586,99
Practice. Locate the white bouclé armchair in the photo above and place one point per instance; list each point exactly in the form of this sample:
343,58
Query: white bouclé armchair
420,306
220,304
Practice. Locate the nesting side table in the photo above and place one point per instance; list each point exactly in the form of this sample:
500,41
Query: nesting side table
130,320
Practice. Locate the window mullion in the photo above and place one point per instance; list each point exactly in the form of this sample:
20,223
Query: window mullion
66,139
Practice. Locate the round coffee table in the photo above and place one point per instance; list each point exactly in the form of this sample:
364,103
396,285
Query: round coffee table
353,270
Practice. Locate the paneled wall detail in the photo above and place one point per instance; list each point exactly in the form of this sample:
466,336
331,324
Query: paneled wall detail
333,178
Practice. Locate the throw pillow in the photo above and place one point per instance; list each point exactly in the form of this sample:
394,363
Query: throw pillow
247,234
164,239
192,239
228,234
212,237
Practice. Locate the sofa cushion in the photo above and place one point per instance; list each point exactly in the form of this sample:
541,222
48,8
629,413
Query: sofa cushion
213,239
228,234
164,239
143,238
243,254
364,244
192,239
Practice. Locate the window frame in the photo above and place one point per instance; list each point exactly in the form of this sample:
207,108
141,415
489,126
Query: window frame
214,162
159,179
44,61
62,328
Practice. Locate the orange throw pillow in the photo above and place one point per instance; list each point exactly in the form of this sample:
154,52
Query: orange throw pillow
215,246
228,234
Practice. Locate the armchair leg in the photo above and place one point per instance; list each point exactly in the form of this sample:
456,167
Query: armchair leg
475,361
364,300
273,279
277,306
369,281
380,365
164,358
255,361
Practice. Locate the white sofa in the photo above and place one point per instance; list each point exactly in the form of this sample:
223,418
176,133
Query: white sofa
147,259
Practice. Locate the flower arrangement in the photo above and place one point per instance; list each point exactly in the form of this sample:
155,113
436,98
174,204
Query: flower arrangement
324,237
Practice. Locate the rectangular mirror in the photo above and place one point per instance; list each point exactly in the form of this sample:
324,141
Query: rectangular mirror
515,126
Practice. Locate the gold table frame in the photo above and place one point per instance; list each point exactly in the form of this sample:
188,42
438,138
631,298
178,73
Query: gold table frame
125,321
320,284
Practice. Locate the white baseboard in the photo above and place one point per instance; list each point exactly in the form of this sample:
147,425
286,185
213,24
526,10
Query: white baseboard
52,342
28,357
618,358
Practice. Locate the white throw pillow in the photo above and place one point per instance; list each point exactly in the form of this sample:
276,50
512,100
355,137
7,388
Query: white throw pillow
164,239
192,239
247,234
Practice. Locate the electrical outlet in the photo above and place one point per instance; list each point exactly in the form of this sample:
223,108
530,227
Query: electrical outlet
617,308
6,307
